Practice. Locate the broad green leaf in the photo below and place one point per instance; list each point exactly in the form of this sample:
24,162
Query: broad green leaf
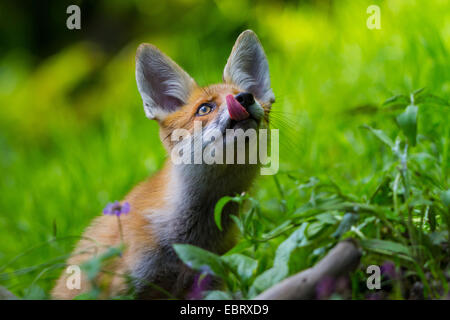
243,266
34,292
218,295
386,247
268,279
284,250
92,294
315,228
200,259
300,259
326,218
280,269
407,122
380,135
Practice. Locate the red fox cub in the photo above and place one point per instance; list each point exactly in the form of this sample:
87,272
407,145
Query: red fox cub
177,204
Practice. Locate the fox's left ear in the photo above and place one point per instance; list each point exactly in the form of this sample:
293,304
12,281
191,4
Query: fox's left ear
247,67
163,85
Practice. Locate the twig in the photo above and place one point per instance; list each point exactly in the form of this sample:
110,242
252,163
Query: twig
342,259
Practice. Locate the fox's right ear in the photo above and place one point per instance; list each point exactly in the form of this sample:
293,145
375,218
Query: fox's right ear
247,67
164,86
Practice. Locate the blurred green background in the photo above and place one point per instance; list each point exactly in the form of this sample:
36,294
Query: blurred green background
73,134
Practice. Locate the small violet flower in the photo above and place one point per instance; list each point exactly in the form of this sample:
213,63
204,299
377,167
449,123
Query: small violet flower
201,284
375,296
388,269
116,208
325,288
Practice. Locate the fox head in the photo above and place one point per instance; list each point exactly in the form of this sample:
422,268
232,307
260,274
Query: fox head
172,97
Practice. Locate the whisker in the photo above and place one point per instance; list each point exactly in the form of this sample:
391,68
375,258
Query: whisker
287,132
286,120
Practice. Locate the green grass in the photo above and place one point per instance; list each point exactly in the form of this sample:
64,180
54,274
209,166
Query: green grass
73,136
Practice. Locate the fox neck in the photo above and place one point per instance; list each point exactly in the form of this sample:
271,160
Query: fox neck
191,196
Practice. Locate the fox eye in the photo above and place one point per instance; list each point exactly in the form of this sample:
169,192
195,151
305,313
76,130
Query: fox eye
204,109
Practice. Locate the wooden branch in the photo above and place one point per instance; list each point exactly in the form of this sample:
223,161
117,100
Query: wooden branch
342,259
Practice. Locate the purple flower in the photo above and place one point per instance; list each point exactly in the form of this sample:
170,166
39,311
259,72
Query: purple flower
325,288
117,208
201,283
388,270
342,285
375,296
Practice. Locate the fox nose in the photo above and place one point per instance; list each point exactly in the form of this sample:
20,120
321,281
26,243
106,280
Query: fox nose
245,99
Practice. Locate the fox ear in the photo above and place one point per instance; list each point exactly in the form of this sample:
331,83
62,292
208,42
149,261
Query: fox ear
247,67
164,86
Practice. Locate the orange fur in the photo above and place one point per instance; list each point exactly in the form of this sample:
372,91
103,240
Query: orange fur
145,197
104,233
176,205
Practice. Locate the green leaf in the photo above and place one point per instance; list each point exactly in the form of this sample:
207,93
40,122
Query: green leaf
386,247
279,229
200,259
92,294
315,228
407,122
93,266
445,197
417,92
243,266
34,292
347,222
380,135
399,98
218,295
432,99
327,218
268,279
280,269
240,247
300,259
295,240
439,237
218,210
238,222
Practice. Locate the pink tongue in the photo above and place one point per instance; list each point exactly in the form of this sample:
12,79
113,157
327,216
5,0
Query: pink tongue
235,109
